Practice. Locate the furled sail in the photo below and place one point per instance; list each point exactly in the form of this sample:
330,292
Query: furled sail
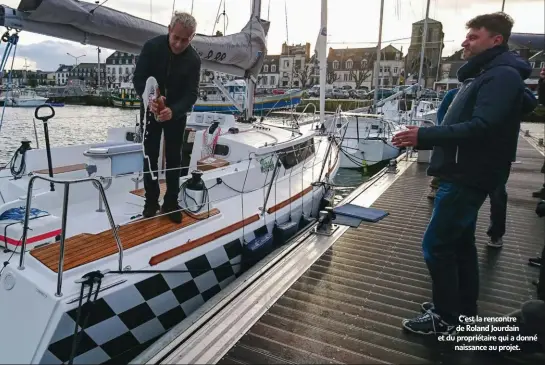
239,54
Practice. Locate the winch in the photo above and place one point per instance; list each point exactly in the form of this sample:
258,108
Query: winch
194,193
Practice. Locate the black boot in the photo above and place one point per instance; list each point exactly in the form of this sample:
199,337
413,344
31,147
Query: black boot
539,194
150,209
173,210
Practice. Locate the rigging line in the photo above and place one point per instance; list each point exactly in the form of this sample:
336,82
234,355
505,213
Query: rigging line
217,17
192,3
286,14
173,5
98,6
269,10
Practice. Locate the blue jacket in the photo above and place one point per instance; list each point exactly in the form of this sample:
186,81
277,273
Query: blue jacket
477,140
445,103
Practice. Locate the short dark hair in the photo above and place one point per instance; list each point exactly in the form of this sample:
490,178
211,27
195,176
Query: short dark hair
496,23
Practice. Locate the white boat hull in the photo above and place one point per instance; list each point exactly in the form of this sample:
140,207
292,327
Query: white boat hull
26,103
132,309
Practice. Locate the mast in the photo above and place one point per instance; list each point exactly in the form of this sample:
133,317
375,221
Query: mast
379,46
424,37
322,61
250,84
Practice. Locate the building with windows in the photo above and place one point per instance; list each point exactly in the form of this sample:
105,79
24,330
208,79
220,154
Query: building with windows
432,52
270,73
119,68
293,65
62,74
354,67
87,72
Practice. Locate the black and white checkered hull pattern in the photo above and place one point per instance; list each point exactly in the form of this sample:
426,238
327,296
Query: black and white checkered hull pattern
129,317
126,318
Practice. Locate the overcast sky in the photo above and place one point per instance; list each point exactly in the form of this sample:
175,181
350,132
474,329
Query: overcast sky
351,23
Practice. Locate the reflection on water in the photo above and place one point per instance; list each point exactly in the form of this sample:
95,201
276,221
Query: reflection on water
80,124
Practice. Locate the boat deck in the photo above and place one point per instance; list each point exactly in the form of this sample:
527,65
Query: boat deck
348,307
85,248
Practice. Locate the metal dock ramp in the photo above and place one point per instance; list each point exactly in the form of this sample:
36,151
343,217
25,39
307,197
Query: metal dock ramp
341,299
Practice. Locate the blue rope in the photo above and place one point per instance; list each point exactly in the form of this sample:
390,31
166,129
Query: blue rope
18,214
12,43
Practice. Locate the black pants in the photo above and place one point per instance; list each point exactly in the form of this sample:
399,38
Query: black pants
498,212
174,133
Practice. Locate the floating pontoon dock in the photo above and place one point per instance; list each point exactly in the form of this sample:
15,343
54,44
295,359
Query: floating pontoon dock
341,298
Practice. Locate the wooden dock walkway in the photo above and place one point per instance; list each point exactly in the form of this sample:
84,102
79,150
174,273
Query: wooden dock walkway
348,307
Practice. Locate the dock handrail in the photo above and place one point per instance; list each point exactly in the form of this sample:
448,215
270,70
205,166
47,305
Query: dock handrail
96,182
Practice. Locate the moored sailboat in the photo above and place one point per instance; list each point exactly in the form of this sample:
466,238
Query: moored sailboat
90,280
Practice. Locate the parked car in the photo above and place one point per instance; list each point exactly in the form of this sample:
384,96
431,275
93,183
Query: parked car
278,92
382,93
357,94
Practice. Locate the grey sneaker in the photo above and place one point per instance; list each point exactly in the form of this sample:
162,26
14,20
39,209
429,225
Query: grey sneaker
496,243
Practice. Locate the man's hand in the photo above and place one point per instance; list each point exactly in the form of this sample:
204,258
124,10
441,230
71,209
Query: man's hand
165,115
153,104
408,138
542,73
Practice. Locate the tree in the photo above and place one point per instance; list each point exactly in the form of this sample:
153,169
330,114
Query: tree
303,73
331,77
361,71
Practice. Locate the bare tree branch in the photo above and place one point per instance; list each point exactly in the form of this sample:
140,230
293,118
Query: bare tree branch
361,71
331,76
303,73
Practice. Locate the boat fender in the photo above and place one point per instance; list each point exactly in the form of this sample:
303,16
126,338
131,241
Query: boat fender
256,250
283,232
233,130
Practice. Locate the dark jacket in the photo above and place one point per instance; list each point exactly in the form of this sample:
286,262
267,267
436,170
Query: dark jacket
445,103
177,75
477,140
541,91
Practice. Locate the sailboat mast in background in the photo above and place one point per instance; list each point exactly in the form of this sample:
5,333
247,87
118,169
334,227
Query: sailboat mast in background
379,46
424,38
250,81
322,57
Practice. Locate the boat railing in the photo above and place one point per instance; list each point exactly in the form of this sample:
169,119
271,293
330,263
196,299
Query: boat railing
96,182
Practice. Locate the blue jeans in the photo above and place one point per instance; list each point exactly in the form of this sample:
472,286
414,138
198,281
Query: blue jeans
498,212
449,250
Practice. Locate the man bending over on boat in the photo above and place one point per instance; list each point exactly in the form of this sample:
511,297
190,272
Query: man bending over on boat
473,151
176,67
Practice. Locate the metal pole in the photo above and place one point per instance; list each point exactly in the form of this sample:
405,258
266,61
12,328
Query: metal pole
112,223
379,46
322,61
64,218
503,6
250,85
424,37
25,226
98,54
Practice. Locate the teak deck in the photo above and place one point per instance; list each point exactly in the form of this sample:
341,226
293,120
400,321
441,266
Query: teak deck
62,169
162,188
86,248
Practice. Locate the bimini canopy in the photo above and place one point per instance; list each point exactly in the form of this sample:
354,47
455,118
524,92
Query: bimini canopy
238,54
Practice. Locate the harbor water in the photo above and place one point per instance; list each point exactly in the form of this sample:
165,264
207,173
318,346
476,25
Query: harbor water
80,124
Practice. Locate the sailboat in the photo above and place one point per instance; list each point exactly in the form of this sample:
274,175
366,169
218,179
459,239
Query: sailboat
367,136
89,280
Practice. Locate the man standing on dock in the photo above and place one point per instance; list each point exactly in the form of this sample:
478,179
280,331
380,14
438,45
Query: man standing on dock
473,151
176,67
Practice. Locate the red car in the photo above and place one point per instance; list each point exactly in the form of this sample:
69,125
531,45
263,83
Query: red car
278,92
